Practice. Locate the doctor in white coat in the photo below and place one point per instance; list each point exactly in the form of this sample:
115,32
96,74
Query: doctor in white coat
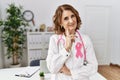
71,55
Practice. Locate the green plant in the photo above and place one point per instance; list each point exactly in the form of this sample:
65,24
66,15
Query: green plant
41,74
13,32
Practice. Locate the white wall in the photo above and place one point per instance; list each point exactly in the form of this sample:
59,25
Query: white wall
115,33
44,10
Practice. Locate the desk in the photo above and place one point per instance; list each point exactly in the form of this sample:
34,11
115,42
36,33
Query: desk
9,74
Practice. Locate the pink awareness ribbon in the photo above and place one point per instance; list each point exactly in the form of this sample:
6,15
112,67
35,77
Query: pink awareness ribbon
78,50
61,39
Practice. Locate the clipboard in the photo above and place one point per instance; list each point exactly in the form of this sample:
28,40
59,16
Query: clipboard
28,72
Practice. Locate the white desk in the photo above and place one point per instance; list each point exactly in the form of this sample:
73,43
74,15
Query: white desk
9,74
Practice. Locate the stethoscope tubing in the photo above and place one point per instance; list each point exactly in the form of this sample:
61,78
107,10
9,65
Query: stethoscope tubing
61,39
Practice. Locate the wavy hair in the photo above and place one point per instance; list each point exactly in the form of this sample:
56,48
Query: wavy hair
58,16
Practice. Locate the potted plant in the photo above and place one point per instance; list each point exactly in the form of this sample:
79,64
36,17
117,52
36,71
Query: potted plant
13,32
41,74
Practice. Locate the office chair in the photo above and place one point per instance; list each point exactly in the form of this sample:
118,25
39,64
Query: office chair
35,62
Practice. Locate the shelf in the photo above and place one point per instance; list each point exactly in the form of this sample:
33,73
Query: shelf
37,45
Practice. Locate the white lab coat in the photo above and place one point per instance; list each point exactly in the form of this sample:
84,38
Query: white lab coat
57,56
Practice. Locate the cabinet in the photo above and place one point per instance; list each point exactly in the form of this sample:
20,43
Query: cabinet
37,45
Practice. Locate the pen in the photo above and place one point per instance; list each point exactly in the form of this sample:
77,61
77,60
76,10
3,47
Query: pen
21,75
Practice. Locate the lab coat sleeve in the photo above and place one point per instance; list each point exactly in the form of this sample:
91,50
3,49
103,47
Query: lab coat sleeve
56,58
91,67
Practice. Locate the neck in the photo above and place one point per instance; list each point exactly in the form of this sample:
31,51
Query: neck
71,32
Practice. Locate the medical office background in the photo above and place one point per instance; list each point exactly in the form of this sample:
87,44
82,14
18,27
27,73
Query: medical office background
100,18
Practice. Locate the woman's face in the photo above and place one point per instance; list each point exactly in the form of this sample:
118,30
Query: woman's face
69,21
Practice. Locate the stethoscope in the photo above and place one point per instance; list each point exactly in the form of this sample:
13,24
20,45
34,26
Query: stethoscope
85,62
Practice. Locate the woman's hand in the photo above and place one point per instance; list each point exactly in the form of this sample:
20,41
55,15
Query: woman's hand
65,70
70,38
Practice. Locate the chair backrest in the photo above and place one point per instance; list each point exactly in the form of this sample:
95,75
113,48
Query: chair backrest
35,62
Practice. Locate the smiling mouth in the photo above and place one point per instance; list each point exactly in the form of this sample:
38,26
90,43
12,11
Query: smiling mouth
71,25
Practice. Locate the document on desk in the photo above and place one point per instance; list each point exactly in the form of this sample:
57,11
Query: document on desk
27,72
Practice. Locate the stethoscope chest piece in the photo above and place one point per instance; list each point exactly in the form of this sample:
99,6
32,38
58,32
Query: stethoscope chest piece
85,62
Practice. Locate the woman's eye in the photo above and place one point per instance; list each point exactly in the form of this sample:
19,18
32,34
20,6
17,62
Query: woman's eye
66,18
72,16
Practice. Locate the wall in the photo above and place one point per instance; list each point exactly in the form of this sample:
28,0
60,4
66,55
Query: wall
37,7
44,10
115,33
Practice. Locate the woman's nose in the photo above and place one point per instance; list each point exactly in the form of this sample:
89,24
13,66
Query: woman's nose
70,20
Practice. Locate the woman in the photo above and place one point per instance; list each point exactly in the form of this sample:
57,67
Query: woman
71,55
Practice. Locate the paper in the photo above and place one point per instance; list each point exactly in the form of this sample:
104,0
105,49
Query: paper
27,72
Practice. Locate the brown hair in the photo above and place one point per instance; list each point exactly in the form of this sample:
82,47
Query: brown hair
58,15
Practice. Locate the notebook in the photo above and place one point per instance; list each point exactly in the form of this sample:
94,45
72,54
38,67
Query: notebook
28,72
